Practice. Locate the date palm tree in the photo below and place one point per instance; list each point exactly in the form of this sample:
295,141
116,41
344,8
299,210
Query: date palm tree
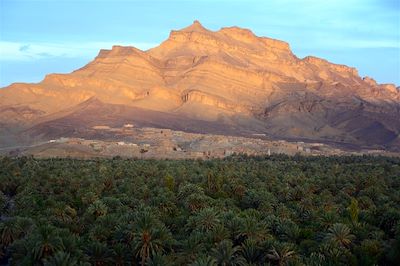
156,260
316,259
192,246
281,254
46,242
99,254
192,197
120,254
97,209
71,243
10,230
188,189
327,219
205,220
3,202
288,231
252,228
251,252
204,260
340,235
150,236
218,233
227,255
196,202
60,258
20,252
233,223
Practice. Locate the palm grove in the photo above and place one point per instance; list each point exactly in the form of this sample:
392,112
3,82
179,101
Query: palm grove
275,210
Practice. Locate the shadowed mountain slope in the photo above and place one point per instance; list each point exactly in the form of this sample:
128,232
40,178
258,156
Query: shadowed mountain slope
228,81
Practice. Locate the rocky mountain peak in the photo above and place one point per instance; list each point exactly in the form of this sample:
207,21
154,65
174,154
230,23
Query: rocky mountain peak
195,26
232,76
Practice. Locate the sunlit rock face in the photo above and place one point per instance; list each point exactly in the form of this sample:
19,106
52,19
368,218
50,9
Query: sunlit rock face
255,84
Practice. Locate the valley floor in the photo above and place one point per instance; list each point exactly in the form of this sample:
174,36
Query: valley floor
129,142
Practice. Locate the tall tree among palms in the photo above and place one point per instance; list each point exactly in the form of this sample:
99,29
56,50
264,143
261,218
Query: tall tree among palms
354,211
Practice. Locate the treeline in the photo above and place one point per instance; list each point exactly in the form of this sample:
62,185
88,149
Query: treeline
274,210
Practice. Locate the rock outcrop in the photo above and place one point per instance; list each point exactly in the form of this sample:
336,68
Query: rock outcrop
254,84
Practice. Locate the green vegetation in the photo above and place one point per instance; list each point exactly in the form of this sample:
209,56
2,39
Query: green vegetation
276,210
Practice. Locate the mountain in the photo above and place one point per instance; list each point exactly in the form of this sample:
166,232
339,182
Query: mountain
228,81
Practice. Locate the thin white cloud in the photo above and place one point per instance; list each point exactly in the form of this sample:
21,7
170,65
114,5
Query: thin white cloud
26,51
343,43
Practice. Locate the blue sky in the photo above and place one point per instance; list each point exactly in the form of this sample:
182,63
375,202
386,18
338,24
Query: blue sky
57,36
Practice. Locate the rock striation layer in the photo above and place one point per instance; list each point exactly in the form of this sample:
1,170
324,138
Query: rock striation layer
230,79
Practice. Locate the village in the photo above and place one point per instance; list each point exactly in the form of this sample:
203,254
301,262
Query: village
129,141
